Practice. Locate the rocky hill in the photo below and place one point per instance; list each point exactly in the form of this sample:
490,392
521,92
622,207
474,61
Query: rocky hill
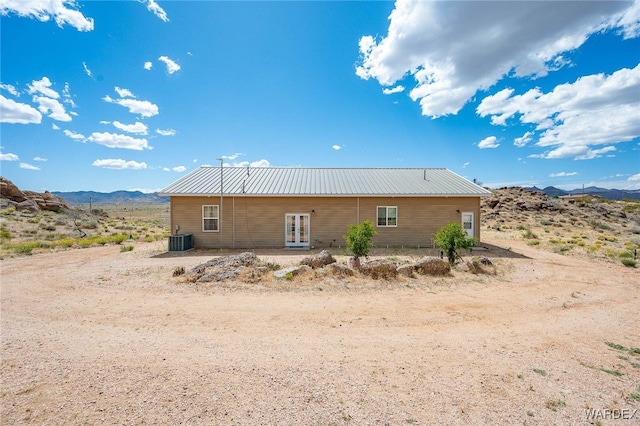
30,200
587,225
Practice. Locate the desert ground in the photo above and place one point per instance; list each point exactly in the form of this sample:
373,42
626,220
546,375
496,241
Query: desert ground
100,336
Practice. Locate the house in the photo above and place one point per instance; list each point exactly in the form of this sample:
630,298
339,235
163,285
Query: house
275,207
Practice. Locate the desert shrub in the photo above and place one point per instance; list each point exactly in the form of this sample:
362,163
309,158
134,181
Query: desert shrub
631,263
178,271
452,238
25,248
47,227
358,238
126,248
117,238
8,211
533,242
4,234
33,220
528,235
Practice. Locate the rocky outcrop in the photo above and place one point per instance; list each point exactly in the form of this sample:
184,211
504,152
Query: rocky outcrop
319,260
30,200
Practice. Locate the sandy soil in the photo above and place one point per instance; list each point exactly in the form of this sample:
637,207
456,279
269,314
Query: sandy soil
96,336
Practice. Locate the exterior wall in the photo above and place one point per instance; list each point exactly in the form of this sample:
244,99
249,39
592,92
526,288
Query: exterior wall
259,222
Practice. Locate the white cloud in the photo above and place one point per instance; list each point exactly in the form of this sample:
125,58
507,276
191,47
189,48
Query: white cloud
113,140
634,178
392,90
44,10
18,113
167,132
153,7
465,164
232,156
9,88
43,86
119,164
143,108
67,98
336,147
453,49
562,174
488,142
39,159
73,135
259,163
8,157
148,65
28,166
524,139
137,127
46,105
594,110
87,70
124,93
179,169
54,126
171,65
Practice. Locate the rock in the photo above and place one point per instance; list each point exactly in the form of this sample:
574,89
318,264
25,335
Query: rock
432,266
10,191
320,260
339,270
377,269
27,205
481,265
293,270
406,270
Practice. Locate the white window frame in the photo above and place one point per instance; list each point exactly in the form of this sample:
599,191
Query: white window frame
216,217
386,217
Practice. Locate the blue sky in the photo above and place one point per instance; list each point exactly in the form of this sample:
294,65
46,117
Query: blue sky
134,94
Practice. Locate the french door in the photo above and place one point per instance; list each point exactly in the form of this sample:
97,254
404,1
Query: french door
467,223
296,230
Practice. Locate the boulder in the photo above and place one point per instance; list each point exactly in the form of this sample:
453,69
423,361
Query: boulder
376,269
339,270
10,191
319,260
294,270
432,266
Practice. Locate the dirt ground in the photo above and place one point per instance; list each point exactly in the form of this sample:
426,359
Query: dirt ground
98,336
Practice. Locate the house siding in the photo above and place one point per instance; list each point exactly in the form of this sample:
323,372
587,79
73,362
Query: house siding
259,222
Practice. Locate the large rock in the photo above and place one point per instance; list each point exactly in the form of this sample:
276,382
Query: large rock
376,269
432,266
10,191
30,200
319,260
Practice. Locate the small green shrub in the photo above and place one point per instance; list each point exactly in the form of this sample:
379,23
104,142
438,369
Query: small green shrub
452,238
528,235
126,248
359,237
631,263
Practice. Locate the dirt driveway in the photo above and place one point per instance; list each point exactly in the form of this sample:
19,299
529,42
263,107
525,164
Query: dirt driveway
96,336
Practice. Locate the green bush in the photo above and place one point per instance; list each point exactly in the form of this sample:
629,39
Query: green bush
631,263
452,238
126,248
359,237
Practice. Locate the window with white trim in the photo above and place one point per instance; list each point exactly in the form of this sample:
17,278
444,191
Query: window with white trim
210,218
387,216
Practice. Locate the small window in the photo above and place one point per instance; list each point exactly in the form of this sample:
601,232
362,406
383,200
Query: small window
387,216
210,218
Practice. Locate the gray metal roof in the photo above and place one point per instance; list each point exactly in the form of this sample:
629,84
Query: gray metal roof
297,181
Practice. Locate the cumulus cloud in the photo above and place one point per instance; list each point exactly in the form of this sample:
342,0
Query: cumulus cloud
28,166
488,142
142,108
153,7
634,178
259,163
8,157
39,159
166,132
73,135
124,93
119,164
148,65
43,87
171,65
179,169
52,107
562,174
336,147
594,110
137,127
62,11
232,156
114,140
524,139
54,126
18,113
480,44
10,88
392,90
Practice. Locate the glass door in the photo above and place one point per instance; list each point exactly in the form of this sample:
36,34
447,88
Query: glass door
296,230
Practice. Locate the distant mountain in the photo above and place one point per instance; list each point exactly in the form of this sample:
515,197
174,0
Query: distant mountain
116,197
609,194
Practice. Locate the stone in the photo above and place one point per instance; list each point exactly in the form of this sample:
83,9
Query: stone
319,260
432,266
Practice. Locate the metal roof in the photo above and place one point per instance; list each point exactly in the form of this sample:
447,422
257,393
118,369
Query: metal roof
297,181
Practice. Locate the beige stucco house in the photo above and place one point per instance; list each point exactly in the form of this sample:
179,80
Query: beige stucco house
276,207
